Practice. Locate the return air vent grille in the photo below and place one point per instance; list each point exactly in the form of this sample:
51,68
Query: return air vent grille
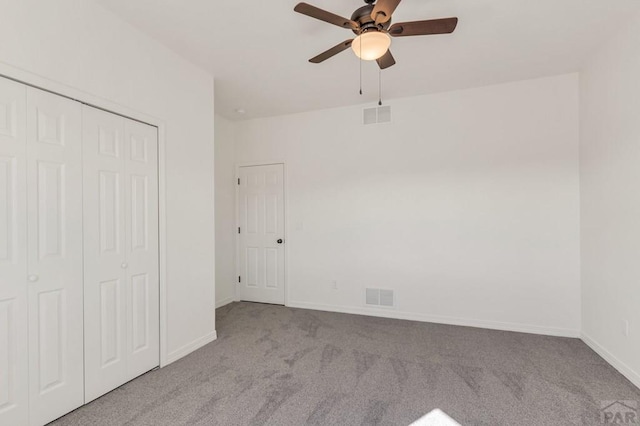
370,116
379,297
376,115
384,114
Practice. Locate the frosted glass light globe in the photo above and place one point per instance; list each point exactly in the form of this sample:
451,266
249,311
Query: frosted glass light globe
371,45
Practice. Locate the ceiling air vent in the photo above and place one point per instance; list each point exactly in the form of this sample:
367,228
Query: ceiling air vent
376,115
378,297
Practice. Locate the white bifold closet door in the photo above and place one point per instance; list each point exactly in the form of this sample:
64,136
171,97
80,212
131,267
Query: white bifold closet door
121,250
54,191
14,364
41,350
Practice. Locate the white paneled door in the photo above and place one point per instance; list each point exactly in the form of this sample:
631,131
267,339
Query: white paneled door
121,250
261,239
14,372
141,214
55,299
79,278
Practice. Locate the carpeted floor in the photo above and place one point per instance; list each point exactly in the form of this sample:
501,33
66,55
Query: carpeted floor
281,366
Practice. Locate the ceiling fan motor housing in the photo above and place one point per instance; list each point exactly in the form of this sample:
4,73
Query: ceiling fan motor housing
363,17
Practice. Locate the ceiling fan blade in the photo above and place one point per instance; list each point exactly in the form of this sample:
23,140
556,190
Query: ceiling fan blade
386,61
331,52
383,10
323,15
434,26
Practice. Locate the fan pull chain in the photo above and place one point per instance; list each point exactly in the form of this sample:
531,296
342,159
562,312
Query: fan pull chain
380,87
360,68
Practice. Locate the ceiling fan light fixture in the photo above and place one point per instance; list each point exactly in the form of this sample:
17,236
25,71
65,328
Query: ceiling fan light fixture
371,45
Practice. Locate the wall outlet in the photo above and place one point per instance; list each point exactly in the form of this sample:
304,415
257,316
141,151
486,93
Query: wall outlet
625,328
334,284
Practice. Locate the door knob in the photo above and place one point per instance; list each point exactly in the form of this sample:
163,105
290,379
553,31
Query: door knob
124,265
33,278
280,241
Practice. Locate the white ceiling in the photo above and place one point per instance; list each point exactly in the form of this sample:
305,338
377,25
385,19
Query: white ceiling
258,49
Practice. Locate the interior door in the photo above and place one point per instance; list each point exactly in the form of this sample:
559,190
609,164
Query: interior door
121,251
261,239
141,211
105,252
54,190
14,371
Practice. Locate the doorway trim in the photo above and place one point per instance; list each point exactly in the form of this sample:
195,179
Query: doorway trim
236,294
51,86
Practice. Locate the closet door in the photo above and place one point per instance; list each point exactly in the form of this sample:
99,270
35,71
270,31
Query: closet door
105,252
14,376
54,190
141,165
121,251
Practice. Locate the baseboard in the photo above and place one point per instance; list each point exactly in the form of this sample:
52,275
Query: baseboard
624,369
224,302
190,347
465,322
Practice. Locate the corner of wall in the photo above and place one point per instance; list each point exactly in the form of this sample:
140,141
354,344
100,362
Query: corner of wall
225,219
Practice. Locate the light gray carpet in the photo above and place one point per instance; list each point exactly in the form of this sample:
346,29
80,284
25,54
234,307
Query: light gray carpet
281,366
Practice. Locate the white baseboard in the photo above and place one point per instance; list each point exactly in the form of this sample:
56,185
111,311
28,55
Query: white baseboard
624,369
223,302
190,347
465,322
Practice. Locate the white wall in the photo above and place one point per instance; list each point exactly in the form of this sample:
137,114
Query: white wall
226,276
467,205
77,44
610,201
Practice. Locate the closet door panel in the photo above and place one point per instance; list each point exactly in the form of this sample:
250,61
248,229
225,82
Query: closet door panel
142,247
14,378
54,179
105,240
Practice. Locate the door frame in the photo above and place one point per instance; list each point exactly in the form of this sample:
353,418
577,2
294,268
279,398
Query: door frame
29,79
285,180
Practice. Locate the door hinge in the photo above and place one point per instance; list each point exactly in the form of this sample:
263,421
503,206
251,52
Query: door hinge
239,279
238,181
238,229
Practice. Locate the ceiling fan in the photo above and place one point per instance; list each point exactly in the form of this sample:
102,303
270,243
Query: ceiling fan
373,29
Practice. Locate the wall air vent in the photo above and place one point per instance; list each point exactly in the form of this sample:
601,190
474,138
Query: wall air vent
384,114
376,115
379,297
370,116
